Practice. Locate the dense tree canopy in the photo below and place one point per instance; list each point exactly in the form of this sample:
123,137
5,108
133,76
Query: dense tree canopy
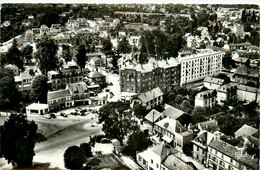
86,148
46,55
124,46
27,53
13,56
81,56
18,140
9,94
74,157
39,89
117,120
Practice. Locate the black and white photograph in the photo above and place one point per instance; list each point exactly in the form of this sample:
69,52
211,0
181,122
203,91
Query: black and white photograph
129,85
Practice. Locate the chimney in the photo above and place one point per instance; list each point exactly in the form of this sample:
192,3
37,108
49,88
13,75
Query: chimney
253,156
38,102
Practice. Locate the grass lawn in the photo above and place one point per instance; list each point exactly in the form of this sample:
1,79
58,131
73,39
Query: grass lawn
106,161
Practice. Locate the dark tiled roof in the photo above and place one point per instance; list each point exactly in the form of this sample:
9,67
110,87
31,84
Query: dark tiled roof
173,113
251,72
210,125
232,152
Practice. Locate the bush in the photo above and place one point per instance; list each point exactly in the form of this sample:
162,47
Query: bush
86,148
40,137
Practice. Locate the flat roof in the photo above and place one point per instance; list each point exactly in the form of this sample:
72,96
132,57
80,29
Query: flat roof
37,106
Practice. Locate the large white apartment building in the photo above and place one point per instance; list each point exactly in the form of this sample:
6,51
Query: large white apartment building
196,67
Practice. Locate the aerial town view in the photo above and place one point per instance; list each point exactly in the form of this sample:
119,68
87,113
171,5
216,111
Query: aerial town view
129,86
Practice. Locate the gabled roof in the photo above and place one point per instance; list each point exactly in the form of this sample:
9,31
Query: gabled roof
37,106
95,74
245,130
209,125
153,115
173,112
174,163
78,87
204,138
171,125
150,95
58,94
232,152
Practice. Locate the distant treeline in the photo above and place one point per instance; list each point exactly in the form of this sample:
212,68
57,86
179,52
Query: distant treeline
240,6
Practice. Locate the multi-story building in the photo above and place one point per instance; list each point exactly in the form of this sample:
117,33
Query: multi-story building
247,76
141,78
222,155
206,98
98,78
59,99
80,93
195,68
248,94
150,99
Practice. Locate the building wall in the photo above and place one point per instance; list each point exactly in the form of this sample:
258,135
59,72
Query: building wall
60,103
211,86
138,82
199,153
154,161
199,66
246,95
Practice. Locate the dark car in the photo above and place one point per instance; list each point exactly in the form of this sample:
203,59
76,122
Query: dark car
105,140
63,115
53,115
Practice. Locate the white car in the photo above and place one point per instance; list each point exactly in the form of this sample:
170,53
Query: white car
47,116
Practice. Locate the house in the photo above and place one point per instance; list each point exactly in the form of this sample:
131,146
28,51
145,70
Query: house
200,144
206,98
37,108
161,157
96,62
247,93
213,83
80,93
222,155
98,78
150,99
59,99
246,76
176,114
173,132
14,69
44,30
242,61
98,100
23,81
245,130
226,92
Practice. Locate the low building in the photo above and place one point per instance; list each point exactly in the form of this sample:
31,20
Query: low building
226,92
242,61
200,144
213,83
37,108
247,93
98,78
150,99
98,100
96,62
245,130
59,99
206,98
222,155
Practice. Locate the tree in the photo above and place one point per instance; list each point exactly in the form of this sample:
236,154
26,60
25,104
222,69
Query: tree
39,89
27,53
66,53
86,148
46,55
74,158
81,57
13,56
186,106
115,60
139,111
124,46
18,140
9,94
137,141
143,55
117,120
107,47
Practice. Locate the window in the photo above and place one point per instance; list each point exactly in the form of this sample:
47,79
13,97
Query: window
151,161
222,155
198,148
157,165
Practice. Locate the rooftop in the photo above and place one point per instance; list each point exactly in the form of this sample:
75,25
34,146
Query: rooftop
214,80
150,95
232,152
95,74
37,106
153,115
58,94
248,88
172,162
78,87
226,87
173,112
245,71
171,125
245,130
209,125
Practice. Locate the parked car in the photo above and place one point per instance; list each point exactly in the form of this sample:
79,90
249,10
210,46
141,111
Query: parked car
63,114
52,115
74,113
105,140
78,109
47,116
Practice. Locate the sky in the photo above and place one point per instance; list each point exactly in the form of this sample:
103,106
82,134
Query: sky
138,1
